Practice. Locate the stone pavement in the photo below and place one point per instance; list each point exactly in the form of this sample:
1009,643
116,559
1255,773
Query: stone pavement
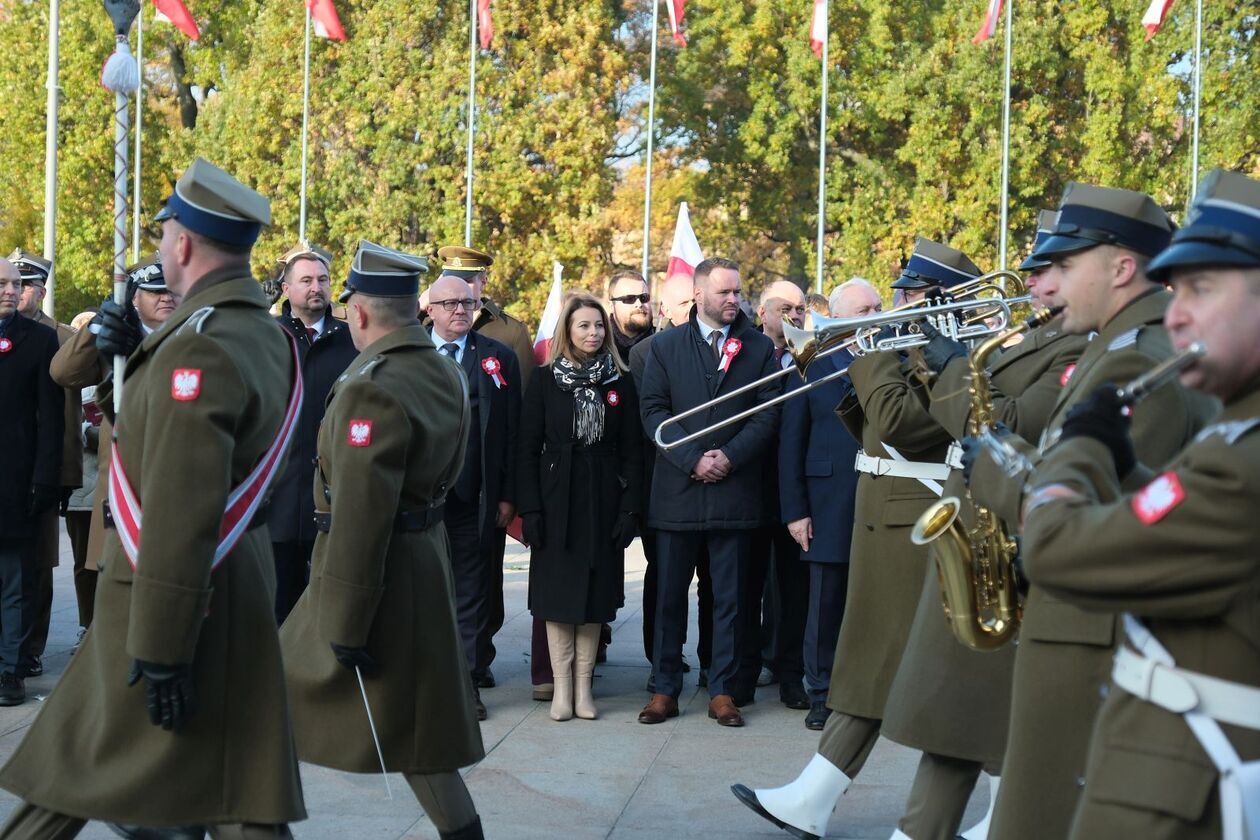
609,778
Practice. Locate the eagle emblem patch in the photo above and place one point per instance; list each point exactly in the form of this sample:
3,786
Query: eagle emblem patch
359,433
1154,501
186,384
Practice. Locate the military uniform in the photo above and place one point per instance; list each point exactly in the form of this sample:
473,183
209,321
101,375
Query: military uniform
208,377
1180,557
391,444
1064,653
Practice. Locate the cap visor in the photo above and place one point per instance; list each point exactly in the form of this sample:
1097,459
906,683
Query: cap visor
1032,264
1057,245
345,295
1190,253
163,214
911,283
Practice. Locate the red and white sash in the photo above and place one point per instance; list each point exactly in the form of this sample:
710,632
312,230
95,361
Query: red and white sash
242,502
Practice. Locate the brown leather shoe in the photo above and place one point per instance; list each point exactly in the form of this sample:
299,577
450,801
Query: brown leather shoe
722,709
660,707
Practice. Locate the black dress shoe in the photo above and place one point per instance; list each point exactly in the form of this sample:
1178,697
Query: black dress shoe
12,690
749,798
793,695
139,832
485,680
817,717
34,667
481,707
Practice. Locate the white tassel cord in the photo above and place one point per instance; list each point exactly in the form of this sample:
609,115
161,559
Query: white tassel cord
121,74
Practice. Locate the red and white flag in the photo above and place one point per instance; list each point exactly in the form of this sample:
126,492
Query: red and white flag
1154,17
991,17
324,15
818,27
685,253
550,316
675,8
176,13
485,24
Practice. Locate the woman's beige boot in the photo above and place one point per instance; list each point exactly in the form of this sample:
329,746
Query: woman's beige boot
586,645
560,646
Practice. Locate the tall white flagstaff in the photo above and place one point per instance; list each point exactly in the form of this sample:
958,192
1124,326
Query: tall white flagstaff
306,119
822,150
50,150
135,189
1006,140
472,120
651,128
1198,77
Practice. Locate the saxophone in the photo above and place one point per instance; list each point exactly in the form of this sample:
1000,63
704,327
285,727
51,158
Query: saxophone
976,566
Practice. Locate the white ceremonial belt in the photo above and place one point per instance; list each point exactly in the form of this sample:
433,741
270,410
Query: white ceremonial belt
953,456
900,469
1179,690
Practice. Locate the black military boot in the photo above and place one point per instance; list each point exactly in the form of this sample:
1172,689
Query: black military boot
12,690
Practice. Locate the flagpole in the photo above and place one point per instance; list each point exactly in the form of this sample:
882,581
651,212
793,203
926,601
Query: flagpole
50,151
822,149
306,119
1198,76
135,190
472,106
1006,140
651,123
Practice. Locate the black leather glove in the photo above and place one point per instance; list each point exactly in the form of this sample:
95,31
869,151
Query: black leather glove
940,349
119,333
972,447
624,529
1102,416
354,657
532,529
168,692
43,497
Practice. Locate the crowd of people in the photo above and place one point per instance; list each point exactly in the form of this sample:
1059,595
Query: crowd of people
351,479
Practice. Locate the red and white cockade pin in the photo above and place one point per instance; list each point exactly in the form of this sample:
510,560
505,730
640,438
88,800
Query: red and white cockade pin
359,433
1154,501
494,369
1067,374
5,345
729,351
186,384
613,398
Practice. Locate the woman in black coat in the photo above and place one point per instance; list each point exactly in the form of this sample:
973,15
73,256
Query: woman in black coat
580,496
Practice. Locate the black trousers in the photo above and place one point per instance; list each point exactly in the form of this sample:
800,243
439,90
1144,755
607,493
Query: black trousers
728,564
18,580
774,566
493,542
468,568
293,572
828,587
704,598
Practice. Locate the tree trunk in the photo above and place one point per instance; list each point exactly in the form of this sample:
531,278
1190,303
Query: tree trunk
183,90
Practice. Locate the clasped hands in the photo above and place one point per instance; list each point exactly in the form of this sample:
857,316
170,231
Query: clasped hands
712,467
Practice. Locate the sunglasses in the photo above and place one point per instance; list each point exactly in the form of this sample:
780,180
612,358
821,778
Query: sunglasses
631,299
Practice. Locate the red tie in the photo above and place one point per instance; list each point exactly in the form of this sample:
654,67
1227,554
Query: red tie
310,333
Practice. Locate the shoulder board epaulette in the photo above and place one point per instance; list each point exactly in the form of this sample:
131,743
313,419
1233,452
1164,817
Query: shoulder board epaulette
197,320
364,370
1230,430
1125,339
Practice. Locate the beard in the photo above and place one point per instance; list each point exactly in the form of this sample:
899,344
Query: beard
637,322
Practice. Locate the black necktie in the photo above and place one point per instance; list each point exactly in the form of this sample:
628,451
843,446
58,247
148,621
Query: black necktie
715,341
450,349
310,333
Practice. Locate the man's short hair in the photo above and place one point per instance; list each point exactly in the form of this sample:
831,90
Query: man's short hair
706,268
817,303
230,249
618,276
833,301
390,311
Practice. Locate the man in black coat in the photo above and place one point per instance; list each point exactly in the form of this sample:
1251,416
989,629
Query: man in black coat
325,349
706,492
32,425
483,500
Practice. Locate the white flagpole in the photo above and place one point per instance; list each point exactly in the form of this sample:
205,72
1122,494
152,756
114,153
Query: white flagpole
1006,140
651,123
50,150
822,150
472,106
306,119
1198,76
135,190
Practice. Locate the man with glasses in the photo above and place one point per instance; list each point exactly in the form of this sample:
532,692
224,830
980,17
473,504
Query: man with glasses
482,501
628,305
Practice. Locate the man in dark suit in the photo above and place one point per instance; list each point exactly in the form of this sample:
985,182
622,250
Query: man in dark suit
32,428
483,500
706,492
817,491
326,351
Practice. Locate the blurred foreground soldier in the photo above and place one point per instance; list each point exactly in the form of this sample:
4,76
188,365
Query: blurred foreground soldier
1175,752
30,426
473,266
1098,252
380,605
173,710
35,271
78,366
326,350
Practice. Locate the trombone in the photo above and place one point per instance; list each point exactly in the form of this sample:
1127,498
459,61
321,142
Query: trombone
961,319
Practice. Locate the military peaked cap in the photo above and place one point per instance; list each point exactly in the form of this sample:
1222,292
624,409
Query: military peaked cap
211,202
147,274
32,267
933,264
1090,216
306,251
1046,221
1222,227
378,271
462,262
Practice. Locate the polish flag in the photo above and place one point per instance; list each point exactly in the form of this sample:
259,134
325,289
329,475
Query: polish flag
818,27
675,9
327,24
550,316
991,16
485,24
1154,17
685,253
176,13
